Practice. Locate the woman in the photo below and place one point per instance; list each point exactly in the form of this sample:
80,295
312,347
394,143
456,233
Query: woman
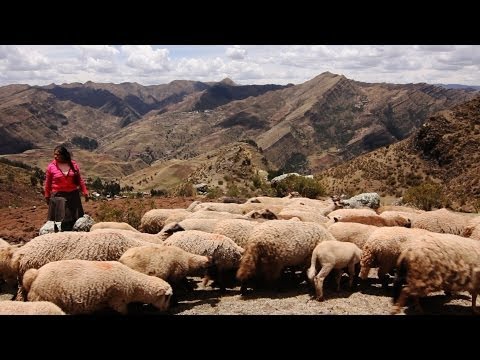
62,180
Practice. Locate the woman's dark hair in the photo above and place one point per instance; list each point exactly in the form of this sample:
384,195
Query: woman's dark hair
65,154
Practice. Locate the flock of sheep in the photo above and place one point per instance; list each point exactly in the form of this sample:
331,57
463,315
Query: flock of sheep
250,245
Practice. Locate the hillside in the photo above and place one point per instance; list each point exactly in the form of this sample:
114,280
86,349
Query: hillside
326,121
234,166
443,150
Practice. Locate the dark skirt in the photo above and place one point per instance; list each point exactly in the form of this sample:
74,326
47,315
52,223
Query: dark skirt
65,207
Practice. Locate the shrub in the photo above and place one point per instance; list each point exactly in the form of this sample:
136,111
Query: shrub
425,196
186,189
306,187
130,212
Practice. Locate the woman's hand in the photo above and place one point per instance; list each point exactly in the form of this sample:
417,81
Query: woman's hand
86,198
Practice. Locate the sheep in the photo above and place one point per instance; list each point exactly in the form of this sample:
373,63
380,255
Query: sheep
277,244
71,245
473,229
223,250
437,262
206,225
4,243
352,232
84,286
332,255
402,209
382,249
29,308
151,238
7,272
222,207
169,263
390,214
113,225
304,215
206,214
442,221
154,220
346,213
236,229
378,220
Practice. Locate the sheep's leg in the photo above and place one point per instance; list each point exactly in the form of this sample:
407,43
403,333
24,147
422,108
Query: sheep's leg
119,305
402,300
474,302
382,275
319,279
338,277
351,274
418,306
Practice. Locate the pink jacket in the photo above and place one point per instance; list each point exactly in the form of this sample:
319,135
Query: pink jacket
55,180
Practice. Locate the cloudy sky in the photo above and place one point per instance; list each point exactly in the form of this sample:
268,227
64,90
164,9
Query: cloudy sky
244,64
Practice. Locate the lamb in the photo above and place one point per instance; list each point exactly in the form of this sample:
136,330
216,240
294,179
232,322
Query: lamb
352,232
169,263
83,286
29,308
206,225
277,244
332,255
223,250
437,262
113,225
154,220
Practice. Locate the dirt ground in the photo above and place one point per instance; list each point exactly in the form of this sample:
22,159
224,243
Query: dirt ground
20,224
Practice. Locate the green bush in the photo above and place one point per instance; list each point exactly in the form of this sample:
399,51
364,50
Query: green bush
306,187
425,196
186,189
130,212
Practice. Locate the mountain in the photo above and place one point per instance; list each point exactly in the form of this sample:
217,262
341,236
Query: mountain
443,150
118,129
459,86
322,122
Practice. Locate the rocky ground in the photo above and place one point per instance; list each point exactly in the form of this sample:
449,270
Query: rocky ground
19,224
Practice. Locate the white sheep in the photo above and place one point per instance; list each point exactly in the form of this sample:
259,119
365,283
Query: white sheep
154,220
236,229
437,262
29,308
113,225
382,249
442,221
277,244
223,250
331,255
346,213
71,245
7,271
83,286
169,263
206,225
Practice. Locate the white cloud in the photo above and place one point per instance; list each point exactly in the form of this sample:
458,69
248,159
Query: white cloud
145,58
245,64
236,52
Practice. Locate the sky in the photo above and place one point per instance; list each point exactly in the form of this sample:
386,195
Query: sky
244,64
